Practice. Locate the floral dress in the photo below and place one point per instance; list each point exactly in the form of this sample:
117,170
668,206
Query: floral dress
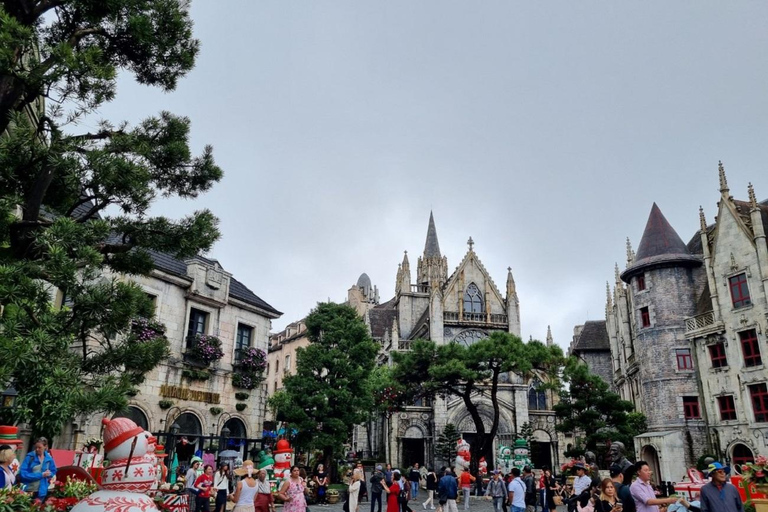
296,492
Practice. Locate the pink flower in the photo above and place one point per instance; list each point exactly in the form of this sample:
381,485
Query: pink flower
759,474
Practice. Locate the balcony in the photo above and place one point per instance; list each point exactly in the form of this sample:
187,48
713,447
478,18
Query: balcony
702,324
475,318
419,288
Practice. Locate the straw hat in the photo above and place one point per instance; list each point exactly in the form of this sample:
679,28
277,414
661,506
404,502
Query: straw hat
243,470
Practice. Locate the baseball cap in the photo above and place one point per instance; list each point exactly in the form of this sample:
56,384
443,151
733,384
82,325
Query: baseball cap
615,470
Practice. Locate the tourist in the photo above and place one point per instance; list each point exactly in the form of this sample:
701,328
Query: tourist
388,474
541,487
552,489
465,482
405,494
264,501
719,495
292,492
448,491
622,490
377,487
530,489
642,490
609,499
393,493
516,491
496,490
7,478
245,492
363,487
353,491
189,485
203,485
321,481
221,485
414,476
38,470
431,488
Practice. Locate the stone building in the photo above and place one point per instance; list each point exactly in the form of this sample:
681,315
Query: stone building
590,344
686,326
462,307
281,360
191,297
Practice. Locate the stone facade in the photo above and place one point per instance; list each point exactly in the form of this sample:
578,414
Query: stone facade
686,324
461,308
197,292
590,344
282,356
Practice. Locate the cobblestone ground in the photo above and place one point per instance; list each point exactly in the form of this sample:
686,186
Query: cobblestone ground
477,504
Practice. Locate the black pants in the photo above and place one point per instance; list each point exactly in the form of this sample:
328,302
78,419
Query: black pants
375,497
221,500
404,506
203,504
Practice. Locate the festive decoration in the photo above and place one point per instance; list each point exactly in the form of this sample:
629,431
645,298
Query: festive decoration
755,472
462,457
504,459
130,473
482,467
521,454
283,455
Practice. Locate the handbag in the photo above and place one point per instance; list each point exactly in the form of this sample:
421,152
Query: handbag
557,499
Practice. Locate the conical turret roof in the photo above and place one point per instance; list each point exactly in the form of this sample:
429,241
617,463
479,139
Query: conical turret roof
432,246
660,246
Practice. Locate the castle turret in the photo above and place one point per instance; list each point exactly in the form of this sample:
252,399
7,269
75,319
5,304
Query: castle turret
663,284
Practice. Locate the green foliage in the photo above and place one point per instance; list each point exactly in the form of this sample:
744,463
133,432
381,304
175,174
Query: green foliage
526,432
195,374
463,371
445,446
240,406
241,396
589,409
165,404
327,394
215,411
75,205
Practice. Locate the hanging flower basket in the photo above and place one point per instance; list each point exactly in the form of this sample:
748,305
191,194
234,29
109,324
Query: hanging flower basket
206,349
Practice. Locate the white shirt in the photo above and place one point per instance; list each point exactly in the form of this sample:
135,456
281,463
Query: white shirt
518,487
581,484
221,482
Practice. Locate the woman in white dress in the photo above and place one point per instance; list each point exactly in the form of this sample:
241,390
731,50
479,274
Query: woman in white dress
354,490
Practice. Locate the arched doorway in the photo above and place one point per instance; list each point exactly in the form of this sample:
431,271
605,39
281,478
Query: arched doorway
237,434
741,454
651,456
190,430
412,445
136,415
541,449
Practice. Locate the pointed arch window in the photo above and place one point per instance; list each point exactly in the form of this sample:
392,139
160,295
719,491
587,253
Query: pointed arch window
473,299
537,398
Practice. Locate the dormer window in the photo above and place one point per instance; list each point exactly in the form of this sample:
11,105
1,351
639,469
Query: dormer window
473,300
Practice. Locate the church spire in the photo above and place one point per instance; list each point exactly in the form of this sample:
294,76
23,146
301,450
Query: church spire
608,298
723,180
752,197
511,290
550,341
630,253
702,220
431,246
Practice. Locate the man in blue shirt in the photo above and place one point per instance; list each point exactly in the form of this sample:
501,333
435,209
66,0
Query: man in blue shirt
719,495
448,490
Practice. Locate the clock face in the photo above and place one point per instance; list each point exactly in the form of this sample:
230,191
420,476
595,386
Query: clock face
470,336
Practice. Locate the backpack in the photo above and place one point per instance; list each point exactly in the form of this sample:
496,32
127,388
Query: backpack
403,497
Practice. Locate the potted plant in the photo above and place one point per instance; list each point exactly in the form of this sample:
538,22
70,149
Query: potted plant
165,404
241,407
206,349
242,396
333,496
215,411
754,475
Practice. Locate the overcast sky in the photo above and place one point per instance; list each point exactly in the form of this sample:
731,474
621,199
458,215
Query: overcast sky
544,130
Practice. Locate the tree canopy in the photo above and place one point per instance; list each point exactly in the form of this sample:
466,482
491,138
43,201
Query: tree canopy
329,392
75,204
454,369
595,414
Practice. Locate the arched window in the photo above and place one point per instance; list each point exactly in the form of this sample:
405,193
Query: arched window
473,300
537,398
741,454
236,428
136,415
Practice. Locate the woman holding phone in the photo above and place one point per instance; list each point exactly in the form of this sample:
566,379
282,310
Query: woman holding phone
609,501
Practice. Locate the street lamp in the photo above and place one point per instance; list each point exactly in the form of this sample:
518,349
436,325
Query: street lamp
9,397
224,437
170,440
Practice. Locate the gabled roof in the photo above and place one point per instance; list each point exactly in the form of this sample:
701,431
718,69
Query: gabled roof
381,318
659,246
593,337
237,290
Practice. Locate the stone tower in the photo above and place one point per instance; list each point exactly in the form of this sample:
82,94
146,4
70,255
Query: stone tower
663,282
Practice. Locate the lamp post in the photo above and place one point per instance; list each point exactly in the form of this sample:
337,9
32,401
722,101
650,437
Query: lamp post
170,440
8,403
224,437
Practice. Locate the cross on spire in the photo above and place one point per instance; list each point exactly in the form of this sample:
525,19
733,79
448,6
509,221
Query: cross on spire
470,243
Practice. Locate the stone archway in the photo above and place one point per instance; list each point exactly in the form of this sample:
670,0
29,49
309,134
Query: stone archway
650,454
